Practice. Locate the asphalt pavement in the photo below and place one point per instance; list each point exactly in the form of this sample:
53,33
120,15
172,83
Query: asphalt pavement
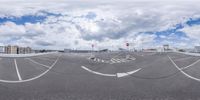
101,76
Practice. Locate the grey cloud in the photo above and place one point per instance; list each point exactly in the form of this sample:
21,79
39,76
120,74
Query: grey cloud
116,20
44,43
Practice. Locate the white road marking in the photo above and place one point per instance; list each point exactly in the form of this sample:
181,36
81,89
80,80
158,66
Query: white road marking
191,64
189,76
118,60
37,62
98,73
17,70
95,59
118,75
112,61
127,73
91,56
31,79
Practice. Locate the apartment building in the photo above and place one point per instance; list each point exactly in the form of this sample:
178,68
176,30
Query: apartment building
17,50
11,49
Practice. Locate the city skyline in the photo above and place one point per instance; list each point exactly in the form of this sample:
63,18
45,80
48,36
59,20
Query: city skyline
106,24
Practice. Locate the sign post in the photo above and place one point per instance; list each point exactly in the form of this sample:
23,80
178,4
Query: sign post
127,45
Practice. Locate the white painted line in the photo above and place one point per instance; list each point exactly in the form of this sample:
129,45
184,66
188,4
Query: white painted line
37,62
189,76
17,70
127,73
118,75
118,60
191,64
31,79
91,56
112,61
98,73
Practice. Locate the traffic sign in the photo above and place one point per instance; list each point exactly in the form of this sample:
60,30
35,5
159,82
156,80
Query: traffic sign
127,44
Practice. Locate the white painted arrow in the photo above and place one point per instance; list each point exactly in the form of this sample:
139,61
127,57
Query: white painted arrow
119,75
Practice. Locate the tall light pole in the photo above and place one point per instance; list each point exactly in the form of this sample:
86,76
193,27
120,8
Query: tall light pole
92,47
142,44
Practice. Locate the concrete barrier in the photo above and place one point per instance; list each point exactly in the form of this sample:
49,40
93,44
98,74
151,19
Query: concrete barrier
188,53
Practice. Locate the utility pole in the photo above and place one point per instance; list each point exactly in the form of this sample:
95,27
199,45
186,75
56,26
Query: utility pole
92,47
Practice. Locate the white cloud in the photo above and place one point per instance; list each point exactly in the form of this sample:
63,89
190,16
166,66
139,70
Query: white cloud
193,31
108,24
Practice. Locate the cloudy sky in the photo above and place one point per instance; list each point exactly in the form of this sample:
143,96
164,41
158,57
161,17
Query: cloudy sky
77,24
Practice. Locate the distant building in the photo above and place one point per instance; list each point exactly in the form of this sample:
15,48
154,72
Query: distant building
11,49
24,50
150,50
166,47
17,50
197,49
67,50
2,49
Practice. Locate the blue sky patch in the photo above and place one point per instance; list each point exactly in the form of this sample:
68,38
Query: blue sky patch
192,22
24,19
28,18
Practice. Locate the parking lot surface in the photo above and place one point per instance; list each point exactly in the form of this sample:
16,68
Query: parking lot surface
101,76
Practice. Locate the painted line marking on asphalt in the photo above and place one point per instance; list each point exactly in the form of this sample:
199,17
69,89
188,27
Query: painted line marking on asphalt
17,70
191,64
98,73
118,75
118,60
95,59
113,60
37,63
31,79
187,75
127,73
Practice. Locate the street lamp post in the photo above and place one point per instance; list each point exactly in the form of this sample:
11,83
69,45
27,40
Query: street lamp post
92,47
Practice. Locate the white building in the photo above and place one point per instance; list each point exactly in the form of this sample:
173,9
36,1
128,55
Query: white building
2,49
67,50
